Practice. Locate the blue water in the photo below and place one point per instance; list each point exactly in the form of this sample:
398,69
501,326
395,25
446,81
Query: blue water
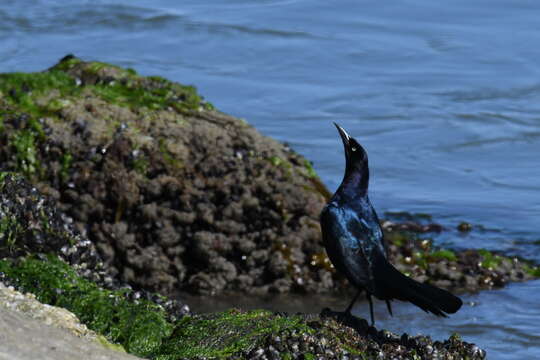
445,97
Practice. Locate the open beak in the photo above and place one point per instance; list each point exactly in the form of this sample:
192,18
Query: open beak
345,138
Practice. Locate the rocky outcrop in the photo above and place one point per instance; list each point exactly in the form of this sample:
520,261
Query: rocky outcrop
31,225
174,194
264,335
146,330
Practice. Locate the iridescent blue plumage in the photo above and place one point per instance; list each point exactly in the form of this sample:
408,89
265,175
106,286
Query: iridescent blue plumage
354,242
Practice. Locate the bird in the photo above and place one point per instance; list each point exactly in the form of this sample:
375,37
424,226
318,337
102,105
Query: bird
355,244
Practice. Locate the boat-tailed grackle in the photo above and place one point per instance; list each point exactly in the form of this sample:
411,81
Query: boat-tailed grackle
354,243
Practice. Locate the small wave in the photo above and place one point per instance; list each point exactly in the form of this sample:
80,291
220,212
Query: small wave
443,44
500,184
491,94
66,18
62,19
517,138
487,116
223,28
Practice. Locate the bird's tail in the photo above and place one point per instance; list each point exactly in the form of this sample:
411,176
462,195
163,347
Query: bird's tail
392,284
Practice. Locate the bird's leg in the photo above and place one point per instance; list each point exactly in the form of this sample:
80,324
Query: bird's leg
349,308
389,306
368,296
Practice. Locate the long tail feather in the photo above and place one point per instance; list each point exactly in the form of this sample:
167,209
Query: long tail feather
392,284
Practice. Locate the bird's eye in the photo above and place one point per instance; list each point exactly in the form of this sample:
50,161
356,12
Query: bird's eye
353,149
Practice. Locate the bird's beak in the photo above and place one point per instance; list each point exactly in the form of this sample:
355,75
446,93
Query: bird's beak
345,138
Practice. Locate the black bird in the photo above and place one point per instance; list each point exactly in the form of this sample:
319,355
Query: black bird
354,243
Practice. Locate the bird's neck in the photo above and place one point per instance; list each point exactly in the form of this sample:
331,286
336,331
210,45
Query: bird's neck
355,182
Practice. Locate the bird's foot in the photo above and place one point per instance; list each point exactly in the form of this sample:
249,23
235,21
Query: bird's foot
348,319
338,315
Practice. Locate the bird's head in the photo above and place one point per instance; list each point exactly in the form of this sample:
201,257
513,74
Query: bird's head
354,152
356,161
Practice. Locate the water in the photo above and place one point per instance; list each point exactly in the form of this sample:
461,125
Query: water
446,99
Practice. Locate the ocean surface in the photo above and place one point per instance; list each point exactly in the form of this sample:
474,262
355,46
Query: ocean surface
445,97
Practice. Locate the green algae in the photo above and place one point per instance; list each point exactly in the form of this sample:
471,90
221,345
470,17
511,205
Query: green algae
490,260
168,156
67,63
22,95
533,270
10,229
444,254
47,93
309,169
66,161
276,160
225,334
141,164
279,162
26,152
24,90
424,252
131,96
152,92
398,238
96,66
3,175
109,345
138,326
141,327
26,98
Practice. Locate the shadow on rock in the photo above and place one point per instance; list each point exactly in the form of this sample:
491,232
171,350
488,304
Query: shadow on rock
396,347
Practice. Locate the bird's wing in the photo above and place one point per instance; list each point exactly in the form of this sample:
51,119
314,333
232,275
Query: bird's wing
343,248
347,243
381,235
368,234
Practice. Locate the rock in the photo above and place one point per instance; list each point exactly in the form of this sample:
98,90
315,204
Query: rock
51,232
142,327
143,165
31,330
464,227
262,334
458,271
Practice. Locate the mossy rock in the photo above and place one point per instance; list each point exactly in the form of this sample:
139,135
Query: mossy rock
139,326
465,270
233,332
175,195
143,328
